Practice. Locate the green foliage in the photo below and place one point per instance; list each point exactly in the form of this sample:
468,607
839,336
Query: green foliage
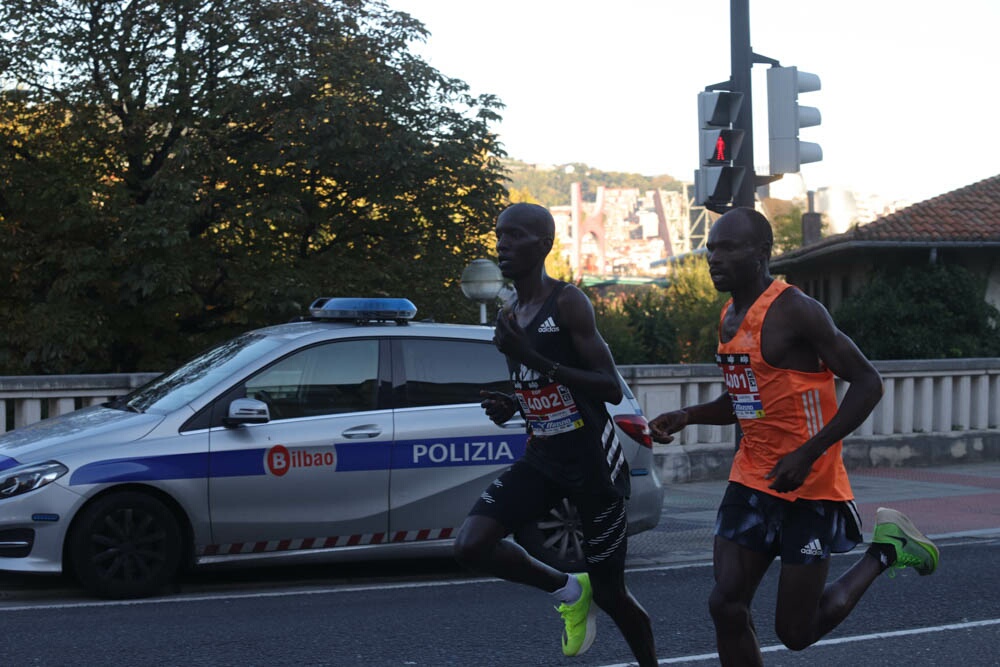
551,186
655,325
694,309
786,223
172,173
787,228
921,312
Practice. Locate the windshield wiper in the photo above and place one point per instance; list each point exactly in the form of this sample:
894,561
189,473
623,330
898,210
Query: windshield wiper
121,404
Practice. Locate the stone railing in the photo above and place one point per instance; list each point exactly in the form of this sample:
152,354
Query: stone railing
25,399
931,410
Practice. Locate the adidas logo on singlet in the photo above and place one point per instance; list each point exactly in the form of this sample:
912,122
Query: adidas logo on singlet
548,326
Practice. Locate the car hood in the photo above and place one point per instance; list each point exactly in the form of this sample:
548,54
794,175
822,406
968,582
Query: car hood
51,438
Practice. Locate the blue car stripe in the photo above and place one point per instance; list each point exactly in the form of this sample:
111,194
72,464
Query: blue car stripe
7,462
350,457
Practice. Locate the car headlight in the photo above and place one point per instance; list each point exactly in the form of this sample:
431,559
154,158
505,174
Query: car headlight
15,481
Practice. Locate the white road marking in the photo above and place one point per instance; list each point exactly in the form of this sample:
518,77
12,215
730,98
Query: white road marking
828,642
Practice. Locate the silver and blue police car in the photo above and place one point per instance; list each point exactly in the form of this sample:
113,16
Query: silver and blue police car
354,433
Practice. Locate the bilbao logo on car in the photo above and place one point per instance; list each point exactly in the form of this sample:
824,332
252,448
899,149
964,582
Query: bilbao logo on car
279,459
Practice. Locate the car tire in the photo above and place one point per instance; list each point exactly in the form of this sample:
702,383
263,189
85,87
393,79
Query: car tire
125,545
557,539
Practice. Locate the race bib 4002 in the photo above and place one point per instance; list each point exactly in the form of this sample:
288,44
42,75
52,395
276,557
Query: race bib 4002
550,410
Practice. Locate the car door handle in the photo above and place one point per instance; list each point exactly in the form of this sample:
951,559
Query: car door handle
514,423
363,431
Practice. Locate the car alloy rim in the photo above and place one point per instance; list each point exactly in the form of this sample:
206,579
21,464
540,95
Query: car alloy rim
562,531
127,545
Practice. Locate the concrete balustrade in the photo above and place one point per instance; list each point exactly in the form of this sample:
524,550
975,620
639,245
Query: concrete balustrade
25,399
930,410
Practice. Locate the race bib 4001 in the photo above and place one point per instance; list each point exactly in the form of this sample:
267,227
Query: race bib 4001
549,410
742,385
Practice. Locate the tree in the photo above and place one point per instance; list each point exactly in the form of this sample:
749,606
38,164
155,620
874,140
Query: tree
921,312
176,171
693,307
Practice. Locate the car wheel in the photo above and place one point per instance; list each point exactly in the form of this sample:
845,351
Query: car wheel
557,539
125,545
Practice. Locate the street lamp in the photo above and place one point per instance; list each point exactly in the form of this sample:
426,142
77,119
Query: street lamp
482,281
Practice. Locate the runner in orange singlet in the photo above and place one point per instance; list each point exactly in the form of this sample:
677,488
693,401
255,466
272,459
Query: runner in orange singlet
788,492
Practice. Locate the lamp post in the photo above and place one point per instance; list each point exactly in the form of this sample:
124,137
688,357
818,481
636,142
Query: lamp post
482,281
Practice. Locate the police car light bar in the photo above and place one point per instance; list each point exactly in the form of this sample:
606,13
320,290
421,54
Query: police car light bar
363,310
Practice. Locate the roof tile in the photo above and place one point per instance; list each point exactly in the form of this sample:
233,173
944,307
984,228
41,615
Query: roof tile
969,214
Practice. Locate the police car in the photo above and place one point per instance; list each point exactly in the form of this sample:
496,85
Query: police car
353,433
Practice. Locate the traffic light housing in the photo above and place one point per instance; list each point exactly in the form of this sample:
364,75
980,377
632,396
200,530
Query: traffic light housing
785,117
717,178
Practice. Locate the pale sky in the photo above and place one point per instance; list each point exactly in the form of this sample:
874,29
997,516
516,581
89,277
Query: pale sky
908,100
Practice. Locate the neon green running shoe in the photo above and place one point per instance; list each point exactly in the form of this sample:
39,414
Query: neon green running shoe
913,549
581,623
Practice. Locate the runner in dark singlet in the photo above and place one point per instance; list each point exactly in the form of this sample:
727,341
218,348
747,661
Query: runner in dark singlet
563,374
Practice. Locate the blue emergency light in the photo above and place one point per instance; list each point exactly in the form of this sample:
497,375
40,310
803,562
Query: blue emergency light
363,310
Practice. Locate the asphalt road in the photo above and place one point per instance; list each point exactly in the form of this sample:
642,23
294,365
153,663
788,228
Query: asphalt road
430,613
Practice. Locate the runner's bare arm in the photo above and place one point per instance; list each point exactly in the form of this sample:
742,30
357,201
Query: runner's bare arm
809,322
838,352
718,411
599,376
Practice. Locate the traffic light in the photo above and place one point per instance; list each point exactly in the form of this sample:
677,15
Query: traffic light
717,179
785,117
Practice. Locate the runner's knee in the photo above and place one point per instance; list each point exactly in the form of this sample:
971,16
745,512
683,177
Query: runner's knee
726,609
473,547
795,635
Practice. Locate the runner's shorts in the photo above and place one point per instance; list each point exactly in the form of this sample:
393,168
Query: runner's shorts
523,493
800,531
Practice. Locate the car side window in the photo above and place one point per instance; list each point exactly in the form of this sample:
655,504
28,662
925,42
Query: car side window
448,372
327,379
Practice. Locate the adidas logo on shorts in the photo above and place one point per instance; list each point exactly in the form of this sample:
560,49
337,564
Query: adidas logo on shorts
548,326
814,548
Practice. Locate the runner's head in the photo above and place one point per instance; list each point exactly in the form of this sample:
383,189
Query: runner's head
525,233
739,249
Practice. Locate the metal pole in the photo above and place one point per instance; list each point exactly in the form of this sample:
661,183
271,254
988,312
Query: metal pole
742,62
482,312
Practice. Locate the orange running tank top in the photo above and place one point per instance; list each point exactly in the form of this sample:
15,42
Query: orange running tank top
778,409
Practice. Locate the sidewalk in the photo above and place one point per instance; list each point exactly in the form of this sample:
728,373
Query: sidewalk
943,502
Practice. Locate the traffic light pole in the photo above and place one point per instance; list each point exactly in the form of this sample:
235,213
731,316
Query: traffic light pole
723,182
742,61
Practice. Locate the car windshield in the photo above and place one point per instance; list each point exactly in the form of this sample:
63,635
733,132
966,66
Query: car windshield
172,390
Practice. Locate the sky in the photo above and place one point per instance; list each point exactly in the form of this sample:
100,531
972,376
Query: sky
908,91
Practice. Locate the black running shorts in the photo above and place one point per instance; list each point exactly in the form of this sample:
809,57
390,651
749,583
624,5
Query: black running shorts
800,531
522,494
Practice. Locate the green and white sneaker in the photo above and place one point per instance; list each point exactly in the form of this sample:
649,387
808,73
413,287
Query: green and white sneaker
581,623
913,549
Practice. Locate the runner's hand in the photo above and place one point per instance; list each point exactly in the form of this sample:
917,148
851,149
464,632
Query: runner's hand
666,424
510,338
790,472
499,407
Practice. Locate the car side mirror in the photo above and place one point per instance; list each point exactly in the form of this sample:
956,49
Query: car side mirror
247,411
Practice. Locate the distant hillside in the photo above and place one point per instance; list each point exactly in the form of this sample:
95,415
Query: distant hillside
550,184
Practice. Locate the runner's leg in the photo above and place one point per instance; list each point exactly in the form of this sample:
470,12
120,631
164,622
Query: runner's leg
738,572
807,610
604,523
480,547
520,494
